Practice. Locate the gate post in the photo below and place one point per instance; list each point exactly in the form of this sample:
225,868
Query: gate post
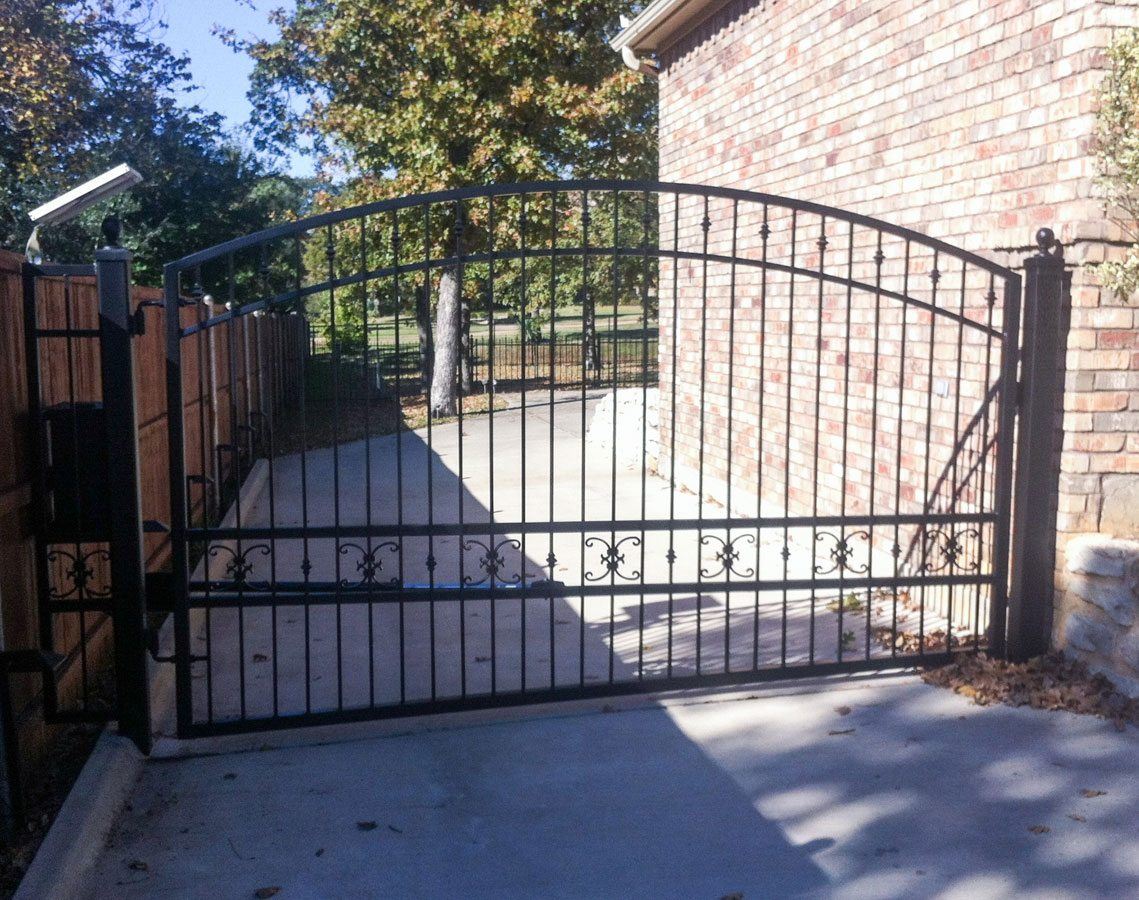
1036,486
128,569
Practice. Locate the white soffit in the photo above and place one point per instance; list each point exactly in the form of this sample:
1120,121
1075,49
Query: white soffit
663,22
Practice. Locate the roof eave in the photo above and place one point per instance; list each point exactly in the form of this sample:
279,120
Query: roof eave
661,23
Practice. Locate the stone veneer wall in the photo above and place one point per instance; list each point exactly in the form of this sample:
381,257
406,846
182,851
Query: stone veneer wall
1099,620
968,120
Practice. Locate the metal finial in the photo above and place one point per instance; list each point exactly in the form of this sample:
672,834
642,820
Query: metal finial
1045,241
112,229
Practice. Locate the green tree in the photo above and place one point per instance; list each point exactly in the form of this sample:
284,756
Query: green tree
84,84
1117,151
425,95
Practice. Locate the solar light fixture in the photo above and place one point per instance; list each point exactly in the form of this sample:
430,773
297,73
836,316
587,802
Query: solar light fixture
67,206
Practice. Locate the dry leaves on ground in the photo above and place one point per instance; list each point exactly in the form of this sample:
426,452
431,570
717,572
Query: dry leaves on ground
1050,682
911,642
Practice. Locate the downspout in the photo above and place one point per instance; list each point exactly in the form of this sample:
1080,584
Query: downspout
646,65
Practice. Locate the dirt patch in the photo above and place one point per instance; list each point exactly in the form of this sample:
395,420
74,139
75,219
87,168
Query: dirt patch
47,788
1050,682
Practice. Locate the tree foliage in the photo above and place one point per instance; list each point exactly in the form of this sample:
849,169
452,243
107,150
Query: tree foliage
1117,151
84,84
424,95
428,94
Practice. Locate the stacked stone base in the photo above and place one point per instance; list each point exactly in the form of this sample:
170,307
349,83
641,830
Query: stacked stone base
1097,616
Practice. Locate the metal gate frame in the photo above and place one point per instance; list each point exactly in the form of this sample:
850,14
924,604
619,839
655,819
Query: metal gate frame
1034,390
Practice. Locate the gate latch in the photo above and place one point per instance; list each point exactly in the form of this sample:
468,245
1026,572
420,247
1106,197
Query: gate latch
138,317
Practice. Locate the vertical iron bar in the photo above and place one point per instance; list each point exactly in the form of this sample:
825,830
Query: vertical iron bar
39,452
522,426
615,275
764,233
364,280
822,245
705,226
551,559
728,464
956,441
897,548
846,441
397,241
645,219
178,510
491,377
879,258
306,562
786,552
585,355
986,499
671,557
235,463
935,277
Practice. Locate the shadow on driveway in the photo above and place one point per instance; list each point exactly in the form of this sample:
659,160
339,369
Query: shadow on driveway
913,792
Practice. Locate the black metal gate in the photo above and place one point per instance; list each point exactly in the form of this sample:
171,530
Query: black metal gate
652,436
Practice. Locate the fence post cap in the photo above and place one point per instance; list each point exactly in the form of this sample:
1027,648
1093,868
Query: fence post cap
1047,246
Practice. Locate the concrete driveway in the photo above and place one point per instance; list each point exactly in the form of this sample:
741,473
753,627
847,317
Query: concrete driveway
780,792
531,465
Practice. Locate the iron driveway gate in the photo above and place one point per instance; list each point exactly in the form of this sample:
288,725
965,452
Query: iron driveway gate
652,436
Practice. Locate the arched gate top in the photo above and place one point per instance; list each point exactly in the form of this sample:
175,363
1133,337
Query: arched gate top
334,217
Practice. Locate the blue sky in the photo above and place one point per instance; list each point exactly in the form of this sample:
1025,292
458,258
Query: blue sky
221,74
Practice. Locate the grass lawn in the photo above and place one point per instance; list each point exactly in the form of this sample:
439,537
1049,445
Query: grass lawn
629,320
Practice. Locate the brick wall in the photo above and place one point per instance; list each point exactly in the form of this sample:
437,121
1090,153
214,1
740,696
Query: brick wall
968,121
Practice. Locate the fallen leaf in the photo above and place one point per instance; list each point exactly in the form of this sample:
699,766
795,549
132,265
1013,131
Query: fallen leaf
836,731
482,659
260,657
1091,792
137,865
396,830
263,893
366,826
319,852
1039,829
734,895
1076,818
842,710
229,776
1050,682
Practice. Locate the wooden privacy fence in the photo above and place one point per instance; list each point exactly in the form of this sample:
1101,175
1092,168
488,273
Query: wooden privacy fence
55,590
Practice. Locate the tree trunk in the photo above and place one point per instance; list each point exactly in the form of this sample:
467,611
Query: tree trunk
444,387
465,348
423,325
591,345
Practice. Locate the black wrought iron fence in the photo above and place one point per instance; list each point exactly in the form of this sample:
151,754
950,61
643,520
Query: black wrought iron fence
621,358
